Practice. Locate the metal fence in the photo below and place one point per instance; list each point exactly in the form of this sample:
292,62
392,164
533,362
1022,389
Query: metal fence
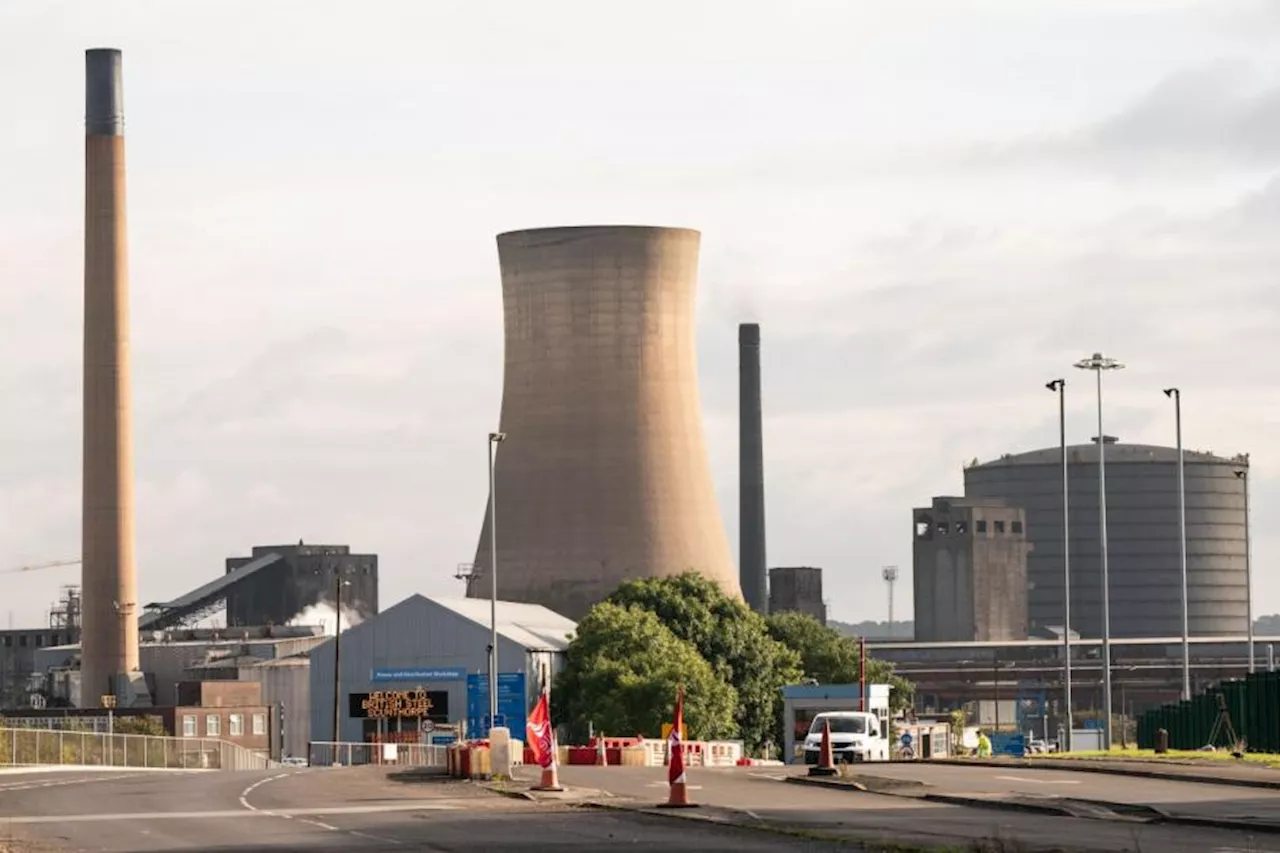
331,754
44,747
1241,710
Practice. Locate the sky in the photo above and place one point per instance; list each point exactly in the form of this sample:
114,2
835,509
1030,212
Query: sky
932,208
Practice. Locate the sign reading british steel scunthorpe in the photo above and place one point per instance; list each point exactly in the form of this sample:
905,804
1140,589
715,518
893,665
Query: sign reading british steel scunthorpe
419,674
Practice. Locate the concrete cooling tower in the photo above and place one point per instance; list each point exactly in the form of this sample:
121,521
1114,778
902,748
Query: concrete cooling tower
603,473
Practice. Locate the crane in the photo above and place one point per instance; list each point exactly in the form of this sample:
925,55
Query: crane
50,565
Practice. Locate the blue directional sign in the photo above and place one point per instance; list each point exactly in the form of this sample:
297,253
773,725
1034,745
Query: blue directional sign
420,674
511,704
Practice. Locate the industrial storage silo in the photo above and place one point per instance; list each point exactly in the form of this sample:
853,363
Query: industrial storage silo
603,474
1142,532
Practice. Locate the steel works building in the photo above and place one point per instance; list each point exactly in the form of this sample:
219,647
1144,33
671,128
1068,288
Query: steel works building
427,659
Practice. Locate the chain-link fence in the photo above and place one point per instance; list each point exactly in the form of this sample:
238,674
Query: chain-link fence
43,747
330,754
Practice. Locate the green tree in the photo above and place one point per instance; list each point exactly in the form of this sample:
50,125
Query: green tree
621,673
832,658
731,637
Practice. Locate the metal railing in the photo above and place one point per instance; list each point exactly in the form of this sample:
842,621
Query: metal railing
331,754
44,747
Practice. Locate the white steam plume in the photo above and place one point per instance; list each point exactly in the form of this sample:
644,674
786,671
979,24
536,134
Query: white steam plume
323,614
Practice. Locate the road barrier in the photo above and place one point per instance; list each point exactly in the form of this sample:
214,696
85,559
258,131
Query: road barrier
46,747
353,754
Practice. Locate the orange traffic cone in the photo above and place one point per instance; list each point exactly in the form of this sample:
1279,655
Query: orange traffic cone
826,761
678,798
602,757
550,780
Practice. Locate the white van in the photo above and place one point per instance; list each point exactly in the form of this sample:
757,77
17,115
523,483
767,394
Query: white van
855,736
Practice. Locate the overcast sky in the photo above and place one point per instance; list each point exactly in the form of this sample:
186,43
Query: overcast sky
932,208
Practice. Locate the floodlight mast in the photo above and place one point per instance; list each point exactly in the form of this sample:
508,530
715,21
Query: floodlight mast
1098,363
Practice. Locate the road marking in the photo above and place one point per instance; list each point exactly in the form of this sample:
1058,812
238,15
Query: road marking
32,786
308,812
668,785
1040,781
244,795
320,824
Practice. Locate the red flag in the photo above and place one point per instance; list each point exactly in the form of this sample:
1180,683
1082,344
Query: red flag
538,728
675,776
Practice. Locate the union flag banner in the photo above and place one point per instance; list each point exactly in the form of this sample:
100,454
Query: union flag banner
541,739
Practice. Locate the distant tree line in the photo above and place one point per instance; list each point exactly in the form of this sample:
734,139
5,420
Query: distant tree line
872,630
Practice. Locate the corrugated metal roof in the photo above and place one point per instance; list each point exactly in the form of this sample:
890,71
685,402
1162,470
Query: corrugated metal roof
531,625
214,590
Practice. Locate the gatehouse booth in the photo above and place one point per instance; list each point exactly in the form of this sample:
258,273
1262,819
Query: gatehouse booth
802,702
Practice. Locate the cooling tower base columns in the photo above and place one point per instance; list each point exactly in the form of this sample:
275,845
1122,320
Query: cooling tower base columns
603,476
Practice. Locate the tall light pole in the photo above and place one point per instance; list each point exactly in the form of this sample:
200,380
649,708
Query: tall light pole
494,439
1098,363
338,584
890,575
1243,474
1060,385
1176,395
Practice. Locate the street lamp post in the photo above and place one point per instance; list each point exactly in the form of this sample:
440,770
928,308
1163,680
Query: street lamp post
1243,474
1098,363
1176,395
494,439
338,584
1060,385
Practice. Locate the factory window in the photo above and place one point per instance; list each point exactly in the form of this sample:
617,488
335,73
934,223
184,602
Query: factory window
8,642
39,640
962,527
999,526
236,727
1016,526
213,725
941,527
980,526
259,724
188,725
22,640
923,527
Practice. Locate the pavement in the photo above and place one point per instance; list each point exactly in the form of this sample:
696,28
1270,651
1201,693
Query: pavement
1168,796
1207,771
965,805
358,809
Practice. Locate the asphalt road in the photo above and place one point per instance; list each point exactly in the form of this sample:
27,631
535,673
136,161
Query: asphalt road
760,794
357,809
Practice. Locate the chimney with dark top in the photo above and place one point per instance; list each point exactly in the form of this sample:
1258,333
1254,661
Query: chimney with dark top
752,572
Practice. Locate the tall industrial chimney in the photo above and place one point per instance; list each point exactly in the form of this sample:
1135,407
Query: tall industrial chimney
603,475
752,574
109,634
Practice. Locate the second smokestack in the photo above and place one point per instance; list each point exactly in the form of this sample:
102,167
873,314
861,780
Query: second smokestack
752,573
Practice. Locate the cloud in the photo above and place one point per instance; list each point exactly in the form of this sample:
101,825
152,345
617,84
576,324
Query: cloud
1224,114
